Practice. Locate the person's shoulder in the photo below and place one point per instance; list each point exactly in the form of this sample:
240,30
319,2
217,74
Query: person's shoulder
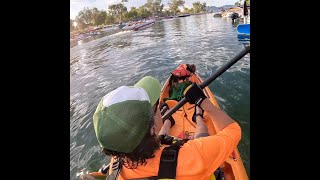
198,142
191,155
204,143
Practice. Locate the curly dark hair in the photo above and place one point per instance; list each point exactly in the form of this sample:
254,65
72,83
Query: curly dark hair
145,150
191,68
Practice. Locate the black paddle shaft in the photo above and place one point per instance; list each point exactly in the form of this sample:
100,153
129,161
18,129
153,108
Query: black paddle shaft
210,79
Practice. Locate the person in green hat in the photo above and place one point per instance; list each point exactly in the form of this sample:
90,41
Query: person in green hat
127,122
128,126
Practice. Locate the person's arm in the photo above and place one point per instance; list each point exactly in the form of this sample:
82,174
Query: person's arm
194,95
212,151
219,118
165,128
201,126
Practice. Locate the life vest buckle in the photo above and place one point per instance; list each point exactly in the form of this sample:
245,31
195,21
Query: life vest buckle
170,155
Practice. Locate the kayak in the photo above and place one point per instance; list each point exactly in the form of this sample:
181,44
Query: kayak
244,29
233,167
184,128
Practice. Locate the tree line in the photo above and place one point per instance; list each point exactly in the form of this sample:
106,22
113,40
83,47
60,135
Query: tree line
117,13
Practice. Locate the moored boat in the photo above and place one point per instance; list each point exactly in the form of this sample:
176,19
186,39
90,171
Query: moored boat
217,15
144,25
244,29
138,25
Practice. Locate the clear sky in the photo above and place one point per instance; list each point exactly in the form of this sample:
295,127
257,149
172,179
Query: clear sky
78,5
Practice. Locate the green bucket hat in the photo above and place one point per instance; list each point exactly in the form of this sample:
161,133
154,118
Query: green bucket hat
122,116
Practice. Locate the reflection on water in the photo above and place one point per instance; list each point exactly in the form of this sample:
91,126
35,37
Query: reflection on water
103,64
95,37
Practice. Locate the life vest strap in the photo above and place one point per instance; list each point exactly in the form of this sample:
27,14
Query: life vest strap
169,160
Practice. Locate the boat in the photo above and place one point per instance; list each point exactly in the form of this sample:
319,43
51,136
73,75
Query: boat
169,17
144,25
128,27
184,128
217,15
182,15
138,25
110,28
244,39
244,29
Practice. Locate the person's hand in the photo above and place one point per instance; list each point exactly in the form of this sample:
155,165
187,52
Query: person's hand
198,111
194,94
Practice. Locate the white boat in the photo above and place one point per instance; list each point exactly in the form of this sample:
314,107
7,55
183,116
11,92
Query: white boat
139,25
144,25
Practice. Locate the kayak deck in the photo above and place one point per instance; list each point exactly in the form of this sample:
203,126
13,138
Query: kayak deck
183,116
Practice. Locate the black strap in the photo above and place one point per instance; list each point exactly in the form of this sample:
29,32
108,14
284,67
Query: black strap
166,139
116,171
169,160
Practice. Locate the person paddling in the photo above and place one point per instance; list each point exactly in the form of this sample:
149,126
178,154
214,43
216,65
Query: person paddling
129,127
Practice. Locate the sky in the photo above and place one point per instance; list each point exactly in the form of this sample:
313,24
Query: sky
78,5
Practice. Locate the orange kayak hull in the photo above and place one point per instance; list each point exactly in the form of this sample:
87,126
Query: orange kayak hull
233,167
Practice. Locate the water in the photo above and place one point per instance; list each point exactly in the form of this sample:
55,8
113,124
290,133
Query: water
101,65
